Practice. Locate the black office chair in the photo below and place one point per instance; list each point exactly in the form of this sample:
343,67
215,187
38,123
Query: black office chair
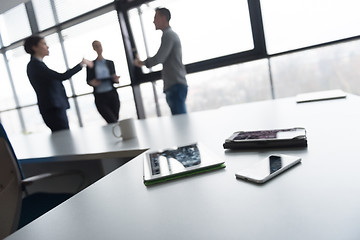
17,207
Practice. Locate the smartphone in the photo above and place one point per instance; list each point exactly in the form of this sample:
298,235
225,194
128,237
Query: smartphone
268,168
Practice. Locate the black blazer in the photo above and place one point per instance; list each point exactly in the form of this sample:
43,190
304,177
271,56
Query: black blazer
90,72
48,85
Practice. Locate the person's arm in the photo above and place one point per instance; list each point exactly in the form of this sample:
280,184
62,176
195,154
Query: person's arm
163,52
94,82
48,73
138,62
87,63
90,74
111,66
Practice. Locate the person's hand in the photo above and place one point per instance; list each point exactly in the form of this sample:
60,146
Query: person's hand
88,63
94,82
116,78
138,63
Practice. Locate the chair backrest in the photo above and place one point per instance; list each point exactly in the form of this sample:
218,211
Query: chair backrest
10,190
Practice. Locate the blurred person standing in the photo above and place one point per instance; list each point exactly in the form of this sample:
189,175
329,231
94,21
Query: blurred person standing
47,83
102,78
170,55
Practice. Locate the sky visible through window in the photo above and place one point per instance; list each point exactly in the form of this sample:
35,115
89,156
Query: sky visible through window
295,24
206,29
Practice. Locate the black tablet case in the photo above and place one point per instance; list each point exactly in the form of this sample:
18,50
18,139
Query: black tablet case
300,141
283,143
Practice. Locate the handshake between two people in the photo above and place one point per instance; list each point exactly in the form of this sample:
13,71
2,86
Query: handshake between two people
88,63
138,62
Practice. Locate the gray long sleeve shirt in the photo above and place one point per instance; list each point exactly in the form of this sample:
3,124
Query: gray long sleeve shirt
170,55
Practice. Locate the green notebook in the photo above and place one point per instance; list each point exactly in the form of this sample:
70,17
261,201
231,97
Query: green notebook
178,162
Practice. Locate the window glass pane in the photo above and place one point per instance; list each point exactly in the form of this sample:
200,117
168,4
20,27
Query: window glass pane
91,116
67,9
35,123
147,94
207,30
326,68
300,23
88,111
216,88
7,100
235,84
127,103
18,60
72,115
11,122
78,44
44,13
14,25
33,120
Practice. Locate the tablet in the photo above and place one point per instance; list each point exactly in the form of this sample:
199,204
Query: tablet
176,162
287,137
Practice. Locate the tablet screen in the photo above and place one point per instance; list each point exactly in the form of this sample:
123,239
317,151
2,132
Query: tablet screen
175,160
271,134
179,161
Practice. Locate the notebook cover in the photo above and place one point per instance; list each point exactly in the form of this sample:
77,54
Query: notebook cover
184,174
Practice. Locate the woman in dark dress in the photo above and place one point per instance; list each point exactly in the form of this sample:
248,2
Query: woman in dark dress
47,83
102,77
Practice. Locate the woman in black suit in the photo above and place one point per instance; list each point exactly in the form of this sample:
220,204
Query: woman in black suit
102,77
47,83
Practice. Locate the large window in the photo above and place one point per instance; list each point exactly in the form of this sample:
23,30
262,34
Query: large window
300,23
78,44
218,49
326,68
206,29
240,83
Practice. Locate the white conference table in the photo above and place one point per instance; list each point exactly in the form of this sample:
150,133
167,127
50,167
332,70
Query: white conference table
90,143
93,151
317,199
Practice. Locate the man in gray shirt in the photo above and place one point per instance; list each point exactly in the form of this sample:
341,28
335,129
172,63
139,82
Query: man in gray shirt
170,55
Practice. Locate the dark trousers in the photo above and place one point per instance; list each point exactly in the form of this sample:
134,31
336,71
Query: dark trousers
175,98
108,105
56,119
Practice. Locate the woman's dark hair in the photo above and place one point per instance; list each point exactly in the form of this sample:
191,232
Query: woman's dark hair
164,12
30,42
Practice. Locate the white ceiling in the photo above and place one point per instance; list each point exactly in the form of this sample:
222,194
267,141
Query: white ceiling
8,4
